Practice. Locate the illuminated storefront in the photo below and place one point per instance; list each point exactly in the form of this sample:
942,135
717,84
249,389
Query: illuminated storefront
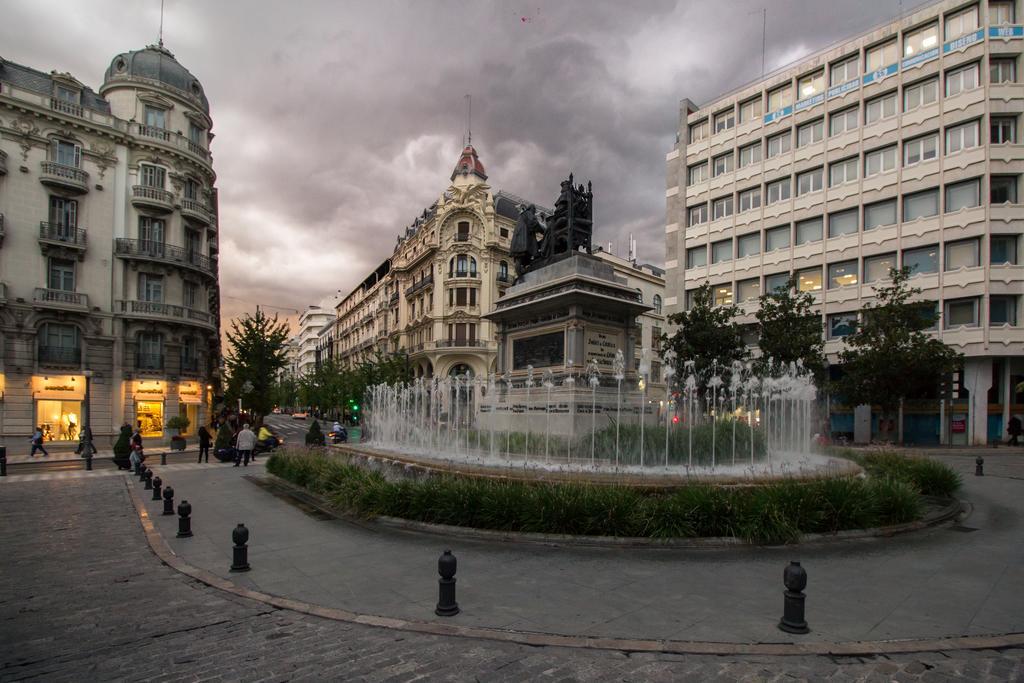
58,406
149,407
189,399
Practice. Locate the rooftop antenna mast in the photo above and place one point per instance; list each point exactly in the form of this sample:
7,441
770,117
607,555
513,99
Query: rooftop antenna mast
160,37
469,119
764,35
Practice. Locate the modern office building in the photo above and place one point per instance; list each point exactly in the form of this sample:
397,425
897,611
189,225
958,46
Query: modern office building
311,323
108,250
898,147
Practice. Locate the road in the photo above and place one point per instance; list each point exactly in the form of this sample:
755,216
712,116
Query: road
294,431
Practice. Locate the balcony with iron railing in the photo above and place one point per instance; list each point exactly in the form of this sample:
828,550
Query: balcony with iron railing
59,298
189,364
150,250
59,355
173,140
462,343
61,235
462,237
158,310
156,198
471,274
425,282
197,211
66,107
3,162
63,177
503,278
149,361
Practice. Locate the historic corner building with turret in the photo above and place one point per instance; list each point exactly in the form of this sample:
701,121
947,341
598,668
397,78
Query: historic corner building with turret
900,147
108,258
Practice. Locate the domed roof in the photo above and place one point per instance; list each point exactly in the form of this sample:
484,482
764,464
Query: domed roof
155,63
469,163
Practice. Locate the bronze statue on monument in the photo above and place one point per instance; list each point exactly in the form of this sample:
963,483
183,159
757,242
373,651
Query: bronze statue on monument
569,229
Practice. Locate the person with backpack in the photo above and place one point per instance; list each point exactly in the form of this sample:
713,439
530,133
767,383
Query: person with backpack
37,442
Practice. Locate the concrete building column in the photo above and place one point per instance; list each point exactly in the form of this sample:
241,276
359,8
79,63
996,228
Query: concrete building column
978,380
1007,394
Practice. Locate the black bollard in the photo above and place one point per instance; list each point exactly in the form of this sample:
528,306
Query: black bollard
168,501
142,472
240,557
88,459
157,482
446,605
149,480
3,461
979,466
795,578
184,519
163,458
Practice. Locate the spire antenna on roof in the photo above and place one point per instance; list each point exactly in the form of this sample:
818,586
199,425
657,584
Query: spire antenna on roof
160,36
469,119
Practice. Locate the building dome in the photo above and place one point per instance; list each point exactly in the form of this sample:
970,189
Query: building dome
156,65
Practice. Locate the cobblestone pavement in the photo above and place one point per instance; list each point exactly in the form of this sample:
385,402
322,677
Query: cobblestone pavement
82,598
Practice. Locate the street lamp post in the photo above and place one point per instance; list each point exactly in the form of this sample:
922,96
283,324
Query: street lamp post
87,448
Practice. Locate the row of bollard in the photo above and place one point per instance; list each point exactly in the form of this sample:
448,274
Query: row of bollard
794,577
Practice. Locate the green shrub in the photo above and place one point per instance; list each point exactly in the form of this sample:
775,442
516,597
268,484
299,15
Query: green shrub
223,437
929,477
314,437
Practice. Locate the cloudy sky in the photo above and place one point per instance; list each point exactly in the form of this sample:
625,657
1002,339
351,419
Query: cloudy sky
337,123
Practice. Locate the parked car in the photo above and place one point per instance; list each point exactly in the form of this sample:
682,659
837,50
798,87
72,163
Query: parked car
298,416
276,411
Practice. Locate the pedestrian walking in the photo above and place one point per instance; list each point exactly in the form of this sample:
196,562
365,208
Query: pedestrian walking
1014,430
246,442
204,443
37,442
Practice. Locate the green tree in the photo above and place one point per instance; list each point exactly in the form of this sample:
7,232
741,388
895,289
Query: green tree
890,357
286,390
223,439
706,333
315,437
790,329
256,353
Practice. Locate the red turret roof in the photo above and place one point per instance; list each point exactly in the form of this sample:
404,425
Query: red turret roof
469,163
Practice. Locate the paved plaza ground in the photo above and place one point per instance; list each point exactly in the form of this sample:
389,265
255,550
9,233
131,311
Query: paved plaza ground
85,598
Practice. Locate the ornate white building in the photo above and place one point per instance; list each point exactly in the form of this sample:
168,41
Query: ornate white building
108,258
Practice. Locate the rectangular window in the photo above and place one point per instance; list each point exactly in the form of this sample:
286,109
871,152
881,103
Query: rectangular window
1003,189
879,56
67,95
196,134
809,279
776,238
696,257
1003,250
748,245
151,287
698,131
1002,70
461,296
748,290
750,199
1002,310
809,181
920,94
920,40
724,120
843,121
152,176
841,325
962,79
811,84
63,215
961,312
964,136
920,205
842,223
156,117
723,295
751,154
191,189
842,274
1000,12
963,195
809,231
698,214
920,149
722,207
843,71
779,144
698,173
809,133
778,191
776,282
750,110
61,275
880,161
66,153
962,254
922,260
151,234
1003,130
879,108
959,23
190,294
780,97
880,213
690,294
721,251
723,164
878,267
842,172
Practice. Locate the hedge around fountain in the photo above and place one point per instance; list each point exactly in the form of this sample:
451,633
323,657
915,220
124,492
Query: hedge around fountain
772,513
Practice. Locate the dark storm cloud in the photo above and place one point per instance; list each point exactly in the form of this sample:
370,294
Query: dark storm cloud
338,123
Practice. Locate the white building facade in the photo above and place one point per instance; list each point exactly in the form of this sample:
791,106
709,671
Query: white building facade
899,147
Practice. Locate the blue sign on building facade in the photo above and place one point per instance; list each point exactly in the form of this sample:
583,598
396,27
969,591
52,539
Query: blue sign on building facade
809,102
963,41
879,74
778,114
1006,32
843,88
920,59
